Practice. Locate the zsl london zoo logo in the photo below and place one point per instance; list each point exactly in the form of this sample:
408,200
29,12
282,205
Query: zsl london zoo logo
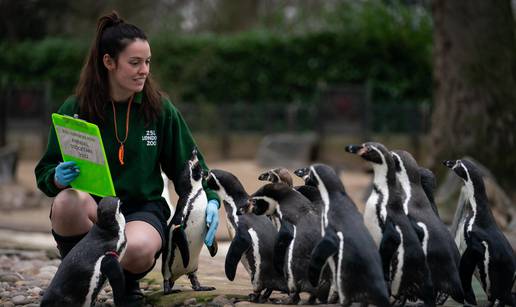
150,137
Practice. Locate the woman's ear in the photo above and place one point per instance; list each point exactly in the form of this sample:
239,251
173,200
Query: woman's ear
108,61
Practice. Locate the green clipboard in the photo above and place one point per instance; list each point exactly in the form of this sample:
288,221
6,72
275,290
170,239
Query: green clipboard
81,142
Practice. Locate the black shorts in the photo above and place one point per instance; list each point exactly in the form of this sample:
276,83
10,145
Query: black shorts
154,213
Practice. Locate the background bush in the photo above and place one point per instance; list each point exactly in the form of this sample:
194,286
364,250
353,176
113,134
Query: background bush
388,46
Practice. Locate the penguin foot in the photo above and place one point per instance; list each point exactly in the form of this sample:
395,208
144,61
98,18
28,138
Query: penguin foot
293,299
265,296
196,285
167,287
254,297
202,288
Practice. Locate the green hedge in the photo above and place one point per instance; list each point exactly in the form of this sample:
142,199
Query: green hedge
389,49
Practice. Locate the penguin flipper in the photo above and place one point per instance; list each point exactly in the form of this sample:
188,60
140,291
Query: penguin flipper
213,249
111,268
283,239
468,262
240,244
388,246
326,248
179,239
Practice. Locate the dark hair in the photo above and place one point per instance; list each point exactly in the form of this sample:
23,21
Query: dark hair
112,37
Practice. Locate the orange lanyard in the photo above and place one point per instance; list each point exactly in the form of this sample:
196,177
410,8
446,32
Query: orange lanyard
121,148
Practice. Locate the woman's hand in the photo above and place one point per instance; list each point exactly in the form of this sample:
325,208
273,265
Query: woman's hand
66,172
212,220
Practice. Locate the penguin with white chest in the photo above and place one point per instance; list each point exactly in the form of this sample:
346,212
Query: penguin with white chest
483,246
299,234
83,272
358,272
253,238
187,227
442,255
403,258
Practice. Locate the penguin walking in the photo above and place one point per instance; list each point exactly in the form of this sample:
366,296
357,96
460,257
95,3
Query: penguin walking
299,234
281,174
442,255
83,272
253,238
403,258
358,273
483,246
187,229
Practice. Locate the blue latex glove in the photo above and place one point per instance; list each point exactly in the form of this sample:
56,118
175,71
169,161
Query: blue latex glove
212,220
66,172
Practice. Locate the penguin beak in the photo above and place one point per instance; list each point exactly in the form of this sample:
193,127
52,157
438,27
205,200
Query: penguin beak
264,176
205,174
356,149
449,163
302,172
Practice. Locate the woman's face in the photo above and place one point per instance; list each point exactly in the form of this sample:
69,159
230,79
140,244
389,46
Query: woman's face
127,76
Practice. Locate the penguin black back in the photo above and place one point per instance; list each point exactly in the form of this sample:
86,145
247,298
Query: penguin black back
358,267
253,237
441,252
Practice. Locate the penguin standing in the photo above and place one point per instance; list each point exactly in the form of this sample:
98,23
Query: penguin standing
442,255
187,229
281,174
83,272
253,238
358,273
403,258
299,233
483,245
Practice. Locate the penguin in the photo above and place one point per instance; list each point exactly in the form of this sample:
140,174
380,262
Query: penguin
187,229
442,255
403,259
299,234
281,174
83,272
275,175
358,272
253,238
483,246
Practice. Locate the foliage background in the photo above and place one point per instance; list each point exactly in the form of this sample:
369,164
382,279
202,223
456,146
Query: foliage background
385,45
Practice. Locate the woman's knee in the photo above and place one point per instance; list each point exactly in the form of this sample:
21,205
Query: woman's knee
142,247
73,212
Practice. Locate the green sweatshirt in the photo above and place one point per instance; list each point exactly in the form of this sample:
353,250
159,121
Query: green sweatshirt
166,143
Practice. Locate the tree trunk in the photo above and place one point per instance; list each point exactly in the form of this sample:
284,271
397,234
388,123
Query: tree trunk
475,85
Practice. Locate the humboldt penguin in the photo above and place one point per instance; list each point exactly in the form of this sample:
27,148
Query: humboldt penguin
253,238
442,255
281,174
299,234
83,272
403,258
187,229
483,246
358,273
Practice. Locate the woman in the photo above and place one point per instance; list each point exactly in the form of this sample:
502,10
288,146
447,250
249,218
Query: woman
142,133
